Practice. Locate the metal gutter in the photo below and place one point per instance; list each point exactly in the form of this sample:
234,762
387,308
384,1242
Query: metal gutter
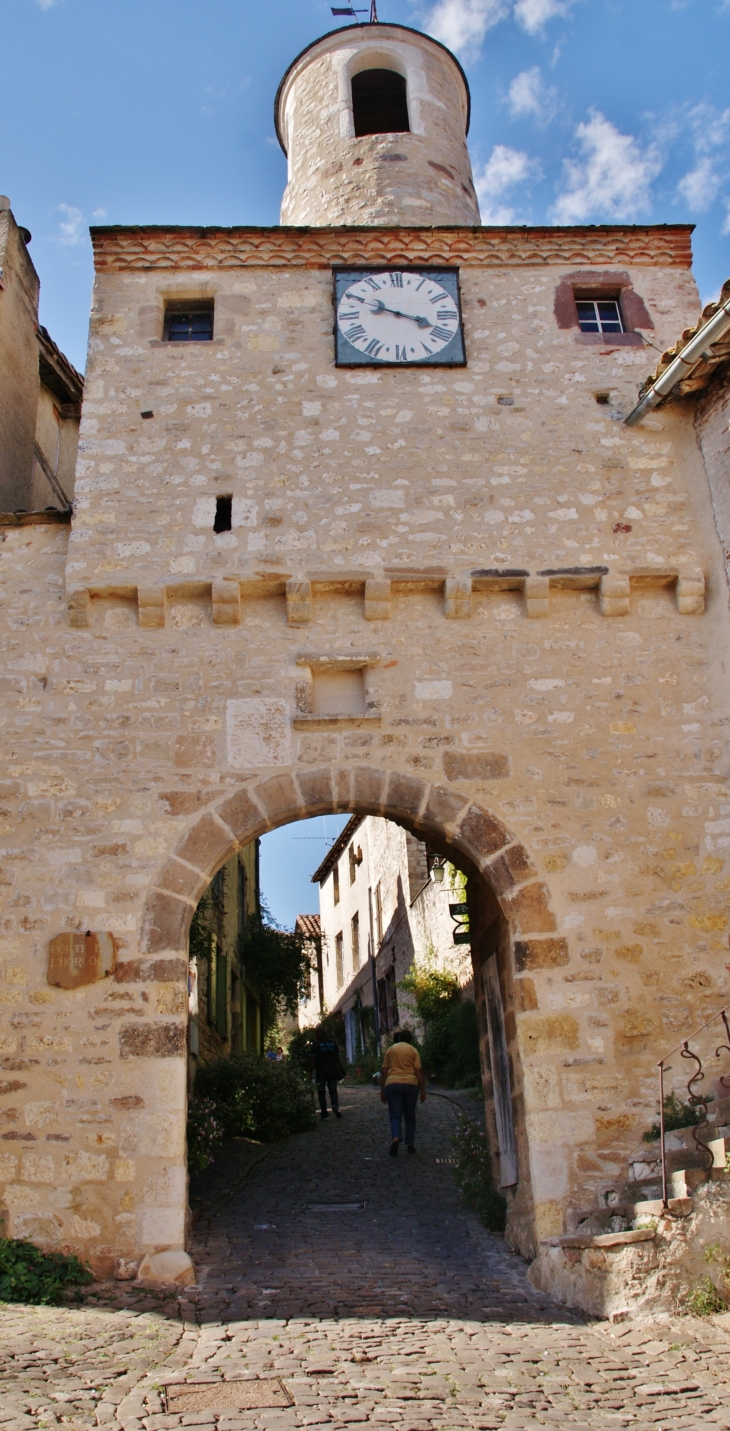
693,352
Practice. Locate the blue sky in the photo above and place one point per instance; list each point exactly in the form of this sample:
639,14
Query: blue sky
289,857
145,111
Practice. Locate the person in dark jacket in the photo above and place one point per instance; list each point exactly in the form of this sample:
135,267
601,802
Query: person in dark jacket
327,1065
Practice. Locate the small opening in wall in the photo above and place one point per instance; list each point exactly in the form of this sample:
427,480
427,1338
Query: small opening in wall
189,322
603,399
379,103
223,514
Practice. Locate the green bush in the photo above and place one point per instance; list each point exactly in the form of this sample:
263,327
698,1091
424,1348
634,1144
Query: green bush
473,1174
705,1300
299,1051
676,1115
451,1046
450,1050
205,1133
31,1276
257,1098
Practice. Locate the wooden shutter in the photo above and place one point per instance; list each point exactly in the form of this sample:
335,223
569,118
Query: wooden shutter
500,1074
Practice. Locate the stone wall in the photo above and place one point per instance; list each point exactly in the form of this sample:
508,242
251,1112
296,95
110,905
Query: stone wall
712,423
19,289
564,735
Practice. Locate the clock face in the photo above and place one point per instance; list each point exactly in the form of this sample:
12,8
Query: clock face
398,316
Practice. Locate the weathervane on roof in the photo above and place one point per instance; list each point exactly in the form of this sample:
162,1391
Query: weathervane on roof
353,13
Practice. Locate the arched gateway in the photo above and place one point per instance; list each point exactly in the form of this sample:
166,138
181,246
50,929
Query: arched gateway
358,526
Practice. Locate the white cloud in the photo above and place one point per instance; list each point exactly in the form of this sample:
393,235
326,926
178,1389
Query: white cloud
72,226
504,168
528,95
612,179
710,133
533,14
462,24
726,225
46,4
700,186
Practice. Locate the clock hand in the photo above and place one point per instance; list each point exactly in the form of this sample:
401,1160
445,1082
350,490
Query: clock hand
379,307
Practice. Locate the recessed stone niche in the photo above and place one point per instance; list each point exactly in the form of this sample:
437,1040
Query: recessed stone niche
338,693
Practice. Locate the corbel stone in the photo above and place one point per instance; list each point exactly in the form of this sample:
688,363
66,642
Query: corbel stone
377,600
614,595
226,602
79,607
152,605
298,602
537,596
457,597
691,592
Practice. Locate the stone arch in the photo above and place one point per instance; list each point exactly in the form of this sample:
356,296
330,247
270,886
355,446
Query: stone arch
450,821
447,817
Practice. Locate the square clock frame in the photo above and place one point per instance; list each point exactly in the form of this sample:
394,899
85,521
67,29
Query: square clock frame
398,317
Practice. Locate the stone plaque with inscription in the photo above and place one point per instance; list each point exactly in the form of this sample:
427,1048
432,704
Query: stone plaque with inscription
77,959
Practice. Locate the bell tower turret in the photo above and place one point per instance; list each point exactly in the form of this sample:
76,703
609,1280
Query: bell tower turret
373,120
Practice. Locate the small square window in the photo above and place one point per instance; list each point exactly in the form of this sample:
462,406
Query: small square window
190,324
599,315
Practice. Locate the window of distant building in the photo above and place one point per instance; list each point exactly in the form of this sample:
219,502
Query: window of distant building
336,884
599,315
379,103
190,322
339,961
355,927
353,863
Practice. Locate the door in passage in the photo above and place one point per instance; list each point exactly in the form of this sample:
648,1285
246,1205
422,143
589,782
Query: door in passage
500,1074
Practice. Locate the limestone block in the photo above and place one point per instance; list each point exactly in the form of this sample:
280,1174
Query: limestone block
172,1266
152,605
537,596
147,1040
79,607
162,1226
476,765
614,595
457,598
298,602
258,733
540,953
226,603
377,600
691,593
153,1135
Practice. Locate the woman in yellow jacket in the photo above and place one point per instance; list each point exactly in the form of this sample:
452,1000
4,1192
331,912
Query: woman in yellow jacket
401,1081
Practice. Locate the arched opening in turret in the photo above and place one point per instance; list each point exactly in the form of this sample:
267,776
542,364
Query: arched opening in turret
379,103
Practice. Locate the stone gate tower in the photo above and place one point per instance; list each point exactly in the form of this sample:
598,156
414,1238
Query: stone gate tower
358,526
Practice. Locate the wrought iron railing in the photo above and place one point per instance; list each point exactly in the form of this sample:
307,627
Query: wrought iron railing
695,1098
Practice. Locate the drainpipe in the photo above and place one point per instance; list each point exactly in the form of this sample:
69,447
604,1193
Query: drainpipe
684,363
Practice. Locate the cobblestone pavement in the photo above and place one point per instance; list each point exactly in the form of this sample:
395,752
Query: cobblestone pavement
403,1312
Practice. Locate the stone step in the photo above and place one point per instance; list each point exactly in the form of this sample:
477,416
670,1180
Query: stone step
623,1216
650,1165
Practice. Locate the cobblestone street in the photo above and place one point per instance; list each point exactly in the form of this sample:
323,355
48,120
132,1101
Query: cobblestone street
398,1309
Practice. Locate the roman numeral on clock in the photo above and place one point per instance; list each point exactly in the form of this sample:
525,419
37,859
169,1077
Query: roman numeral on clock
373,348
373,284
446,315
440,297
400,354
441,335
396,280
357,331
